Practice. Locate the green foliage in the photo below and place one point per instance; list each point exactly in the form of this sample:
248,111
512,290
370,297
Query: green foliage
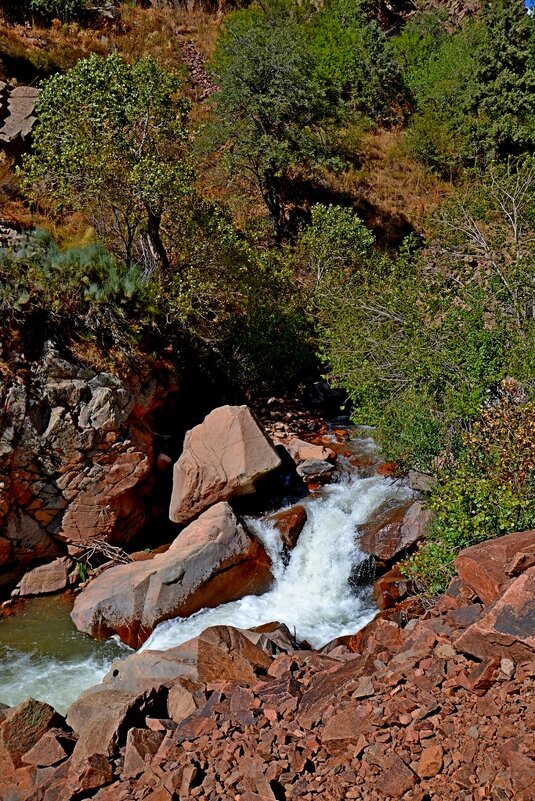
64,10
335,240
419,342
84,288
353,60
488,491
473,89
110,141
81,569
269,107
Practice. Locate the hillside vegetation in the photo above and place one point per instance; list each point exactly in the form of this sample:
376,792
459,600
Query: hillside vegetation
328,192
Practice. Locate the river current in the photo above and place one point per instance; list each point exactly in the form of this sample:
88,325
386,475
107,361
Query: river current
314,593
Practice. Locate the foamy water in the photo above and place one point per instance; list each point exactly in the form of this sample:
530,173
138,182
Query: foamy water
43,656
312,595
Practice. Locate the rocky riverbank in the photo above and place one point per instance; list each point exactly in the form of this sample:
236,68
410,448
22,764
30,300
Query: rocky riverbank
441,706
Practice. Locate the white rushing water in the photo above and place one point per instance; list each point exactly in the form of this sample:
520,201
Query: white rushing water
312,595
44,657
57,681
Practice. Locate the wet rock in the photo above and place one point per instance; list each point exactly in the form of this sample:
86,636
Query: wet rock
290,523
223,457
507,629
49,578
302,451
312,470
485,567
214,560
391,588
394,530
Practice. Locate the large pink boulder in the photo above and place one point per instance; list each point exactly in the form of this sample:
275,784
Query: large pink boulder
486,568
223,457
214,560
507,629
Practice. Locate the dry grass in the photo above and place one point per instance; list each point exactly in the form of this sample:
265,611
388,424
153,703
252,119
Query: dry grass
392,181
138,32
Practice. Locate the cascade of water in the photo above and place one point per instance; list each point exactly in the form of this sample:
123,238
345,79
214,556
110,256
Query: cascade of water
312,594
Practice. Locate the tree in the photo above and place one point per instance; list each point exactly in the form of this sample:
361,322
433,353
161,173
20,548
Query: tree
354,60
419,343
269,109
110,141
504,80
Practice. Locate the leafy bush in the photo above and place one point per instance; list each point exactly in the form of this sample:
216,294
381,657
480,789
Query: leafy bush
354,61
418,343
64,10
488,490
110,141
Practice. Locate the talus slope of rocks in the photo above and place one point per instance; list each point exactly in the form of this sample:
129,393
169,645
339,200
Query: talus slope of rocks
397,711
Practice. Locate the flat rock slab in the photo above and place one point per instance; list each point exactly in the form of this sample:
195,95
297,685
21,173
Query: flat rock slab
508,627
486,568
223,457
213,561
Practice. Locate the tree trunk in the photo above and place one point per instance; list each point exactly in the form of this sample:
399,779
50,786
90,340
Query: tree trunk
154,252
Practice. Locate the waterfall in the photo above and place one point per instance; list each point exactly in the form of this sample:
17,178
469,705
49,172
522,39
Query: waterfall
312,594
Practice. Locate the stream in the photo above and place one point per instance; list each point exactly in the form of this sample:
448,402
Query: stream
314,593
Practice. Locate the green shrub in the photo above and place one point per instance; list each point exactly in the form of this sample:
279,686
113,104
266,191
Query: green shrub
353,60
487,491
64,10
419,342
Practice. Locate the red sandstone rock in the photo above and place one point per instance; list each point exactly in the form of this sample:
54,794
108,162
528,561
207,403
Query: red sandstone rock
290,523
214,560
102,716
301,451
185,697
223,457
225,653
141,744
23,727
391,588
52,577
430,762
53,747
484,567
394,530
508,627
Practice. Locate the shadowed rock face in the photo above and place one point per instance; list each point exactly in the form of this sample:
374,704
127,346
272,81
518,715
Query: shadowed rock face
76,455
213,561
223,457
508,628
